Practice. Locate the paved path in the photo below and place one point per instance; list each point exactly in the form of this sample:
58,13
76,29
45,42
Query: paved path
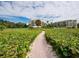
40,48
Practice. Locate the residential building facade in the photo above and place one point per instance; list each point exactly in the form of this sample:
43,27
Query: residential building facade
66,23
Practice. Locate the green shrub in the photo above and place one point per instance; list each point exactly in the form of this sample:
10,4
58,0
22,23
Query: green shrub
2,27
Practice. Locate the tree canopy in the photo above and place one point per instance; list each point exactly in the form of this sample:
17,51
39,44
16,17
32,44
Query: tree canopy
9,24
38,22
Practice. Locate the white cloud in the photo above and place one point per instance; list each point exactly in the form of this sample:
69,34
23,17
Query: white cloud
66,10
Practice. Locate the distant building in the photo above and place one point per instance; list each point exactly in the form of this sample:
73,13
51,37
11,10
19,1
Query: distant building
66,23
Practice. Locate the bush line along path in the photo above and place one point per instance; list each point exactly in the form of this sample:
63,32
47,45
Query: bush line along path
40,48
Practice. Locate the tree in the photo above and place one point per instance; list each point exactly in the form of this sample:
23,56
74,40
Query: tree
20,25
2,27
78,25
38,23
47,22
9,24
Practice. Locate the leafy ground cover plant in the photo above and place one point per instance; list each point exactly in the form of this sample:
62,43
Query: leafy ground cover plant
14,43
64,41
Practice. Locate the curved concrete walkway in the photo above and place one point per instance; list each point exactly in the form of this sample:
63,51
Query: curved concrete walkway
40,48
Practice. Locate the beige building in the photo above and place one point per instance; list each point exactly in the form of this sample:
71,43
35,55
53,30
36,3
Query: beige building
66,23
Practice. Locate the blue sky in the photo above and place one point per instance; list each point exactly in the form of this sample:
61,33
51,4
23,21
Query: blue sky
44,10
15,19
